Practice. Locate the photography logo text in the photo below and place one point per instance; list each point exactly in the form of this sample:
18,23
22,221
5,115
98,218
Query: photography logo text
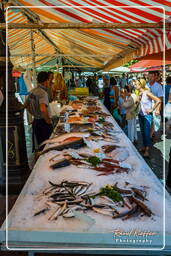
133,237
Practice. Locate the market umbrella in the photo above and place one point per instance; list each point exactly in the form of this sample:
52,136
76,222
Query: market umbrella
152,61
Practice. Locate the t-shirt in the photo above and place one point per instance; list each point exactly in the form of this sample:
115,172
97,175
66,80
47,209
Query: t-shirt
37,96
156,89
145,103
100,83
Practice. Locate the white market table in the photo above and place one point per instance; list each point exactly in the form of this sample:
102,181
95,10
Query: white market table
24,233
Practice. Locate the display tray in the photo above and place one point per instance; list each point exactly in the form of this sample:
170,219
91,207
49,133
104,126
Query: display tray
90,229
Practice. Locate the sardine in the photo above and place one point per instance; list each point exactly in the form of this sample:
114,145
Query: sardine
145,209
61,199
76,189
58,194
41,211
47,190
126,213
55,214
76,201
82,190
90,200
122,191
126,202
68,214
134,214
63,208
102,211
139,193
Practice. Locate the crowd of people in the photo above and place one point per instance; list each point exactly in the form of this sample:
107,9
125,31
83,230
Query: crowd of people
132,99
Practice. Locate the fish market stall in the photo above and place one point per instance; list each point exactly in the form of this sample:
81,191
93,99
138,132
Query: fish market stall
89,188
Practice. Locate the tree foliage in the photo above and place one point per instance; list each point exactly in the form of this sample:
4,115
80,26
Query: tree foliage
131,62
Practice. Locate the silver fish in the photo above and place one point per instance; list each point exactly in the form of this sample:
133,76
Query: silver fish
43,210
68,214
126,213
55,213
76,201
63,208
104,212
83,190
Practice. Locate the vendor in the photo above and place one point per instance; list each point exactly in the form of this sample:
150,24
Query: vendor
50,93
37,104
59,88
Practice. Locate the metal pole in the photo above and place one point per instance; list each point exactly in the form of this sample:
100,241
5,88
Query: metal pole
33,59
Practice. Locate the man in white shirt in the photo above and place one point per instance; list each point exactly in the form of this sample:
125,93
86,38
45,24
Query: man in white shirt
154,86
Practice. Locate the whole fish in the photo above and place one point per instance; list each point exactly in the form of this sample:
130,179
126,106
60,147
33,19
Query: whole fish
139,193
74,144
68,213
41,211
144,208
126,213
102,211
55,213
61,138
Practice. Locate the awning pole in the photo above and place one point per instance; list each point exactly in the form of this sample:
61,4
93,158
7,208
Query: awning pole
84,25
33,59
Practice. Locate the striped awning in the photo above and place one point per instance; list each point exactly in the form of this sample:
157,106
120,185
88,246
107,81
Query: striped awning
100,48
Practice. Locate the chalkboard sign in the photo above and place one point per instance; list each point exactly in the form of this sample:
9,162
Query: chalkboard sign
13,145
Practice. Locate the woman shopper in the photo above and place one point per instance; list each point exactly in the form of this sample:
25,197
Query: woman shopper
114,97
145,114
131,105
114,94
106,91
122,110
